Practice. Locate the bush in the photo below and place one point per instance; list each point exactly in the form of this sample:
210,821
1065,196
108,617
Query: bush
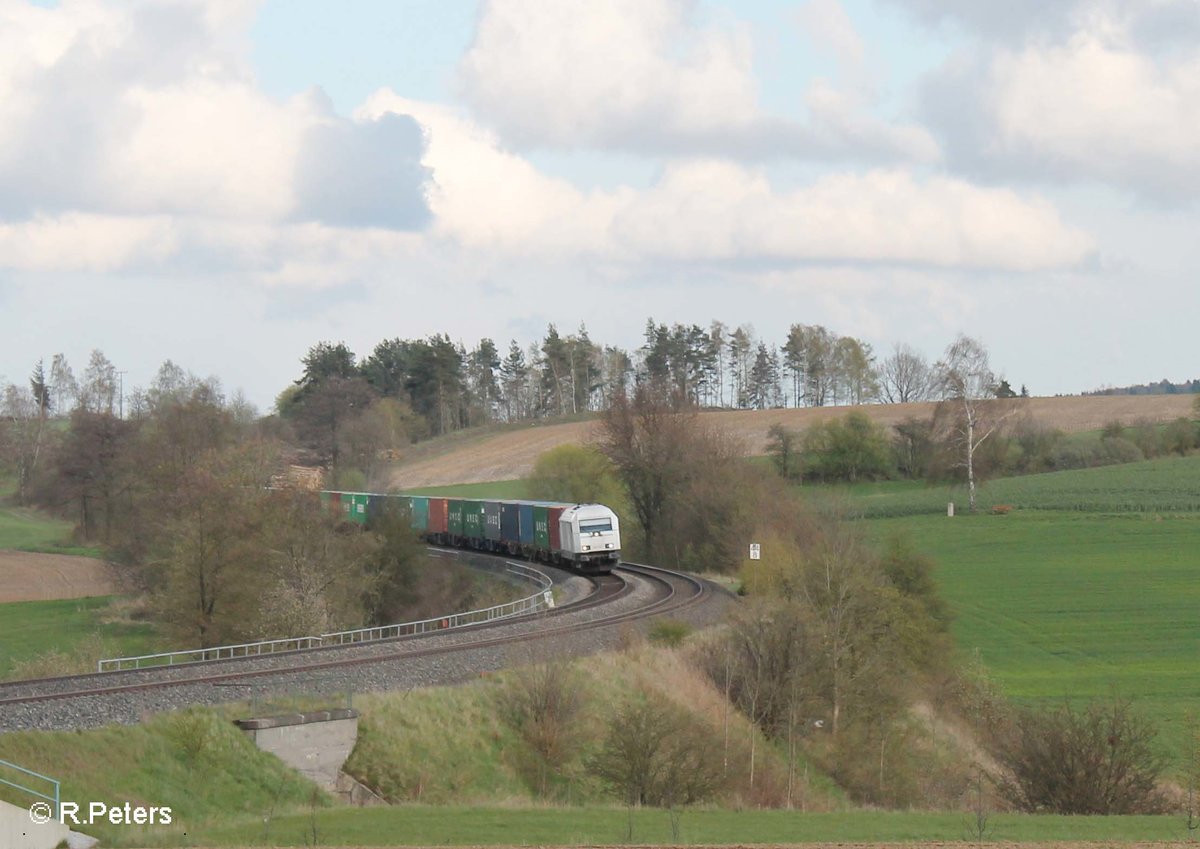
850,449
669,632
1117,449
1099,760
1179,437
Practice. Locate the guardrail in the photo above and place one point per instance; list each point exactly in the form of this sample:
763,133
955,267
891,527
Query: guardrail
55,800
529,604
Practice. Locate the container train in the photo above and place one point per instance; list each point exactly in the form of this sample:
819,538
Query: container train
586,537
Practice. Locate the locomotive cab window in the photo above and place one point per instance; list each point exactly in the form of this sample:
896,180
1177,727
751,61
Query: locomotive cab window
595,526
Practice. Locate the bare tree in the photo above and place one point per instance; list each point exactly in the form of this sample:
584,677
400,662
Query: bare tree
967,386
905,376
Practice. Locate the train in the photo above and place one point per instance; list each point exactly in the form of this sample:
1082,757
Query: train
585,537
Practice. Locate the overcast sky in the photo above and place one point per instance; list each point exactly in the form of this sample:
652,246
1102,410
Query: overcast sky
224,183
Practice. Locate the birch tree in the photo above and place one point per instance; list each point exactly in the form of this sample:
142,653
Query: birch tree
967,386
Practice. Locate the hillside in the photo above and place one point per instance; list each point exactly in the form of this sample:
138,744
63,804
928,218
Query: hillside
510,453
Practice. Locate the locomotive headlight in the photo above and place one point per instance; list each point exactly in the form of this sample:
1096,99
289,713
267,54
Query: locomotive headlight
608,545
587,548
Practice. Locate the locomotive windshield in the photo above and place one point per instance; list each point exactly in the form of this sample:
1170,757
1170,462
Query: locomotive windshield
595,526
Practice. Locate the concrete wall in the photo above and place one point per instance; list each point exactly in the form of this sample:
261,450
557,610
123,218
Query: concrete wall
18,831
316,744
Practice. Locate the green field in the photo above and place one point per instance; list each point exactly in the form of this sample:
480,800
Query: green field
30,628
1165,485
419,825
1090,587
30,530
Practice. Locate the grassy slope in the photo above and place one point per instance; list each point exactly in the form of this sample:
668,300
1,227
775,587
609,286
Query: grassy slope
149,764
30,628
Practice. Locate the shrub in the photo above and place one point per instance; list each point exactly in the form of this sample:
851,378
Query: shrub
1099,760
1179,437
669,632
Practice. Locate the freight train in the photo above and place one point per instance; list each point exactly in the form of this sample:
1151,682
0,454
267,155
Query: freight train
584,536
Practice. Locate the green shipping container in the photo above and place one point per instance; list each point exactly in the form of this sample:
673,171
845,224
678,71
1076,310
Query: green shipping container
541,528
473,519
358,508
454,517
420,512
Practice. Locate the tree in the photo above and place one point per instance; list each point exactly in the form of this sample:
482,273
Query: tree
208,572
905,376
541,703
63,387
972,411
324,361
98,394
575,473
23,431
850,449
681,477
783,449
327,409
653,754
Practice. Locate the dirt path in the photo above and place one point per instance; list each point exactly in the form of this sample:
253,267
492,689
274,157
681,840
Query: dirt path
511,455
25,576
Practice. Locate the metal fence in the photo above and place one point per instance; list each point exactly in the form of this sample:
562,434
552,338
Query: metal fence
53,798
539,600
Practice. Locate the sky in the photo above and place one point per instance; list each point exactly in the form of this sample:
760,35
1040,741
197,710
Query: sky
224,183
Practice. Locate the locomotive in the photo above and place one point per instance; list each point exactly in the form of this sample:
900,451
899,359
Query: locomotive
586,537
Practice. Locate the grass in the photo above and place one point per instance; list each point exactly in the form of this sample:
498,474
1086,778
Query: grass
420,825
31,628
31,530
196,762
1074,605
1163,485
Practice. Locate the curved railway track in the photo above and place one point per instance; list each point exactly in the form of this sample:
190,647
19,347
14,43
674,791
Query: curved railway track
633,592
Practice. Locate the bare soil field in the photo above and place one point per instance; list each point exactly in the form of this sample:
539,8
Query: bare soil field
511,454
25,576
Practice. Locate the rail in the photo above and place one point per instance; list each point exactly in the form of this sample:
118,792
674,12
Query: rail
55,800
522,606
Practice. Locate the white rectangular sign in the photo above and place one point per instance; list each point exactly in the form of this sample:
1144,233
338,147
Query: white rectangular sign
755,551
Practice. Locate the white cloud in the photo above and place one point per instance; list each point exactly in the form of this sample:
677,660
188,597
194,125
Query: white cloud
704,210
81,242
149,107
1104,90
644,75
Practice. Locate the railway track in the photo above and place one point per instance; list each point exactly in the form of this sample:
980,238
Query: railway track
634,592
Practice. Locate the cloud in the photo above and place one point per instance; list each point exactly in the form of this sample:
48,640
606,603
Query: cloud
81,242
1092,91
717,211
645,76
363,174
148,108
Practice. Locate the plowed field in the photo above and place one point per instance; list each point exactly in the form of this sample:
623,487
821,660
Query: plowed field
25,576
512,453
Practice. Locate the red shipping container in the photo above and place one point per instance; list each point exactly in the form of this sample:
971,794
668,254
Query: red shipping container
554,514
437,516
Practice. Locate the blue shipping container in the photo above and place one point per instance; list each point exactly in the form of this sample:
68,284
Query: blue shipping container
526,524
